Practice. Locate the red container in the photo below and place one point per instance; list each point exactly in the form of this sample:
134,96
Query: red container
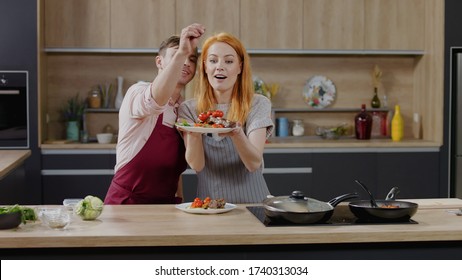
363,124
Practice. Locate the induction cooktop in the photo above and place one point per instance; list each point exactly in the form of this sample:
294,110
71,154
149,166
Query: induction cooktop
337,219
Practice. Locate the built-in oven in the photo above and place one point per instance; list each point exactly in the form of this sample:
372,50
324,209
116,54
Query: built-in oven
14,109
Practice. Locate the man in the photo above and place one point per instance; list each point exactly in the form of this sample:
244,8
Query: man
150,151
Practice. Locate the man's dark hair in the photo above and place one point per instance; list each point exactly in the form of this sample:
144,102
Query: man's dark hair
173,41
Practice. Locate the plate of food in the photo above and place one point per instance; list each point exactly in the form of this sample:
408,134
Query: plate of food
192,127
319,92
206,206
208,122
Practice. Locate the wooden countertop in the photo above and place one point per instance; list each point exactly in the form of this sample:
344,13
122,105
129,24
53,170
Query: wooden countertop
11,159
294,142
164,225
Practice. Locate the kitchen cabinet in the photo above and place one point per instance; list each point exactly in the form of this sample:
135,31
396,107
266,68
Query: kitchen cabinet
283,171
394,25
333,24
415,173
216,15
260,24
75,174
77,23
13,187
271,24
359,24
335,174
141,23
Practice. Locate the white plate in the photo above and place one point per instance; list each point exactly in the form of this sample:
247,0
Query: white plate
199,129
319,92
185,207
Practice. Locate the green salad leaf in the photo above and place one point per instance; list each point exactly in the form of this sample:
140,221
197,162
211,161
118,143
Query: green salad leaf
27,213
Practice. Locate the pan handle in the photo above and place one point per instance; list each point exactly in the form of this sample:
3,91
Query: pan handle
336,200
392,193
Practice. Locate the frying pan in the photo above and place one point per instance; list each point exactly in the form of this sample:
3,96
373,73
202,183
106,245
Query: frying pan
299,209
384,210
402,210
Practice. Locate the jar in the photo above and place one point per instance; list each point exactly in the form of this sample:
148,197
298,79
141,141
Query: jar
297,128
94,100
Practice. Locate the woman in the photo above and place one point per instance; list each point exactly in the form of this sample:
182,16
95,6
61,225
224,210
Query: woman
228,165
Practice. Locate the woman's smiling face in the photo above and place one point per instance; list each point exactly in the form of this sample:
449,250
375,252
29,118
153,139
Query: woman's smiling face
222,67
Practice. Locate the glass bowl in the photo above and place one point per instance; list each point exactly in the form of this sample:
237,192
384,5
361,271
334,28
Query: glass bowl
332,132
55,218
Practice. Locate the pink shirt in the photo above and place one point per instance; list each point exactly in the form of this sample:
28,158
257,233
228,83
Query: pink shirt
137,119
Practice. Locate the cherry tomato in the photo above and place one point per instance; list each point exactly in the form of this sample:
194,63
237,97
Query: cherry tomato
217,114
203,117
209,113
197,203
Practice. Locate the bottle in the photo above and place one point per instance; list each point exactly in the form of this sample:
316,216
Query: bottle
363,124
397,125
119,97
376,124
375,103
417,126
282,127
297,128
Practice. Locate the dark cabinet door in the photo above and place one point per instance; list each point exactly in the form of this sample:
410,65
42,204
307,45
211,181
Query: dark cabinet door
416,174
335,174
283,173
58,187
75,175
286,172
189,185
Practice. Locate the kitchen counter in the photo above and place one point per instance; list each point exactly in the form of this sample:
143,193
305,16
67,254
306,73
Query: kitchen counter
298,142
156,226
11,159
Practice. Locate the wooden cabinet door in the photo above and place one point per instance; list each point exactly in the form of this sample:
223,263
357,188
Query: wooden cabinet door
272,24
394,24
216,15
77,23
333,24
141,23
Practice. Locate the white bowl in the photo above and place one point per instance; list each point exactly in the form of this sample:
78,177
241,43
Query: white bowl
104,138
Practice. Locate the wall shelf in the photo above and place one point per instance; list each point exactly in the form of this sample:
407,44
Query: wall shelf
326,110
250,51
101,110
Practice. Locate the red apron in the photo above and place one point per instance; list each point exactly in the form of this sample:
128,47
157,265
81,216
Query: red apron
151,177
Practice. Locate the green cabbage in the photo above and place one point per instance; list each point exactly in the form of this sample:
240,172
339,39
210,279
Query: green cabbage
89,208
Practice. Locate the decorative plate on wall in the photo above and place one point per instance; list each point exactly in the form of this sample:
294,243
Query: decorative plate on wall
319,92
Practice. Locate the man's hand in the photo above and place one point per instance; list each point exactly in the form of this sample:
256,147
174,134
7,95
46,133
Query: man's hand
189,37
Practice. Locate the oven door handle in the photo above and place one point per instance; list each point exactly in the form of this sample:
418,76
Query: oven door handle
5,92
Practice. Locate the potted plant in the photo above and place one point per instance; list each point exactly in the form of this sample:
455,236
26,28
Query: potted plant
72,113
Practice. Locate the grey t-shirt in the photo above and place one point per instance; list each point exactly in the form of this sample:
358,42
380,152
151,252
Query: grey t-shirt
225,175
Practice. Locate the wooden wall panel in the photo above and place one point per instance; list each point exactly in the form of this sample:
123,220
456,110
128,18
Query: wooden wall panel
272,24
141,23
77,23
395,24
216,15
333,24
